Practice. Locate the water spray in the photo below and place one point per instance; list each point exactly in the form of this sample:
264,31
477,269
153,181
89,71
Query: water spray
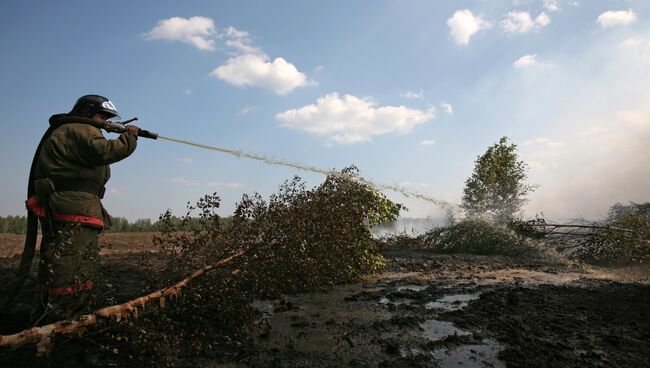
120,127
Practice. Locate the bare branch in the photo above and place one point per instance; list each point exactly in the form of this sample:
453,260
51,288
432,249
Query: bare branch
42,335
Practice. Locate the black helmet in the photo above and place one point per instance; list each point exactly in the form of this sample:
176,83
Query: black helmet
89,105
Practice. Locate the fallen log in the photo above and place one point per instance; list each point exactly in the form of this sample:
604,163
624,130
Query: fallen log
597,227
42,336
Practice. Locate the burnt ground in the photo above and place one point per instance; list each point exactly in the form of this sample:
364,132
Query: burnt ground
425,310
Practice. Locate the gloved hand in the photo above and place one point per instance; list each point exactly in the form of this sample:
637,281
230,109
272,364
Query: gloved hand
132,129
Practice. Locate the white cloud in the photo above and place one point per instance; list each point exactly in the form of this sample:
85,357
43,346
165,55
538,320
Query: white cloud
551,5
188,92
249,66
464,24
319,68
427,142
411,95
611,18
246,109
185,160
447,108
638,48
278,76
350,119
197,31
522,22
530,61
239,40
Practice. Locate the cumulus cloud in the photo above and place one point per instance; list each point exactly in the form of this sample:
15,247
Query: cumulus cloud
239,40
522,22
464,25
551,5
350,119
197,31
249,66
447,108
530,61
427,142
412,95
612,18
252,67
278,76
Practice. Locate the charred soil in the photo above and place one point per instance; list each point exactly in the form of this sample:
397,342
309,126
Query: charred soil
424,310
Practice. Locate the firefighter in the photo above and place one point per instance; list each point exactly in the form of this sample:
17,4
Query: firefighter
68,178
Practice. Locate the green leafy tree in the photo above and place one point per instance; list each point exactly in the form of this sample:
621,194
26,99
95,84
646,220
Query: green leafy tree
497,188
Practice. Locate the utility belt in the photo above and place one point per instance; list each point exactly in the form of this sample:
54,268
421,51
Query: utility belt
44,188
60,184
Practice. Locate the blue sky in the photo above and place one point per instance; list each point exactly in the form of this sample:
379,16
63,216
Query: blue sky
410,92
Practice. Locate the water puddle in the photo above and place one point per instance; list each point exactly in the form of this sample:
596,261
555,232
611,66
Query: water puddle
438,330
416,288
385,301
472,356
453,302
477,355
263,306
410,352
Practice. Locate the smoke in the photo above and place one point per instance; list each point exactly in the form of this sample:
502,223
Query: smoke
598,150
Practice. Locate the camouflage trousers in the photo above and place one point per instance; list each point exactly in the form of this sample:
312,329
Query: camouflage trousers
67,270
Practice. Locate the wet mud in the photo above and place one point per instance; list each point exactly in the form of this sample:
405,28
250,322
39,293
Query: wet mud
430,310
462,311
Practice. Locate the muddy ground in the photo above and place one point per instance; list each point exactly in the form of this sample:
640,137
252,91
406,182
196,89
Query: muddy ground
427,310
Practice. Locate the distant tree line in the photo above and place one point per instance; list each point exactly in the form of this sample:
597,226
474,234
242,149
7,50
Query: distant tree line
18,224
620,210
13,224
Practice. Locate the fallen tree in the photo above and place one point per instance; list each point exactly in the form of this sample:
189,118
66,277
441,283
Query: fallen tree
42,336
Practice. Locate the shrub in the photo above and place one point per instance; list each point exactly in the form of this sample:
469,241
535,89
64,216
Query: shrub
479,236
625,240
299,240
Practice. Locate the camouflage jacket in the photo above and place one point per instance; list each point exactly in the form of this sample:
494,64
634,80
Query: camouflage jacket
77,151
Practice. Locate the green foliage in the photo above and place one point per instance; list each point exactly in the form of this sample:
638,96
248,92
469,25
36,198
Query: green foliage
13,224
625,240
480,236
497,188
301,239
527,228
403,241
313,237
